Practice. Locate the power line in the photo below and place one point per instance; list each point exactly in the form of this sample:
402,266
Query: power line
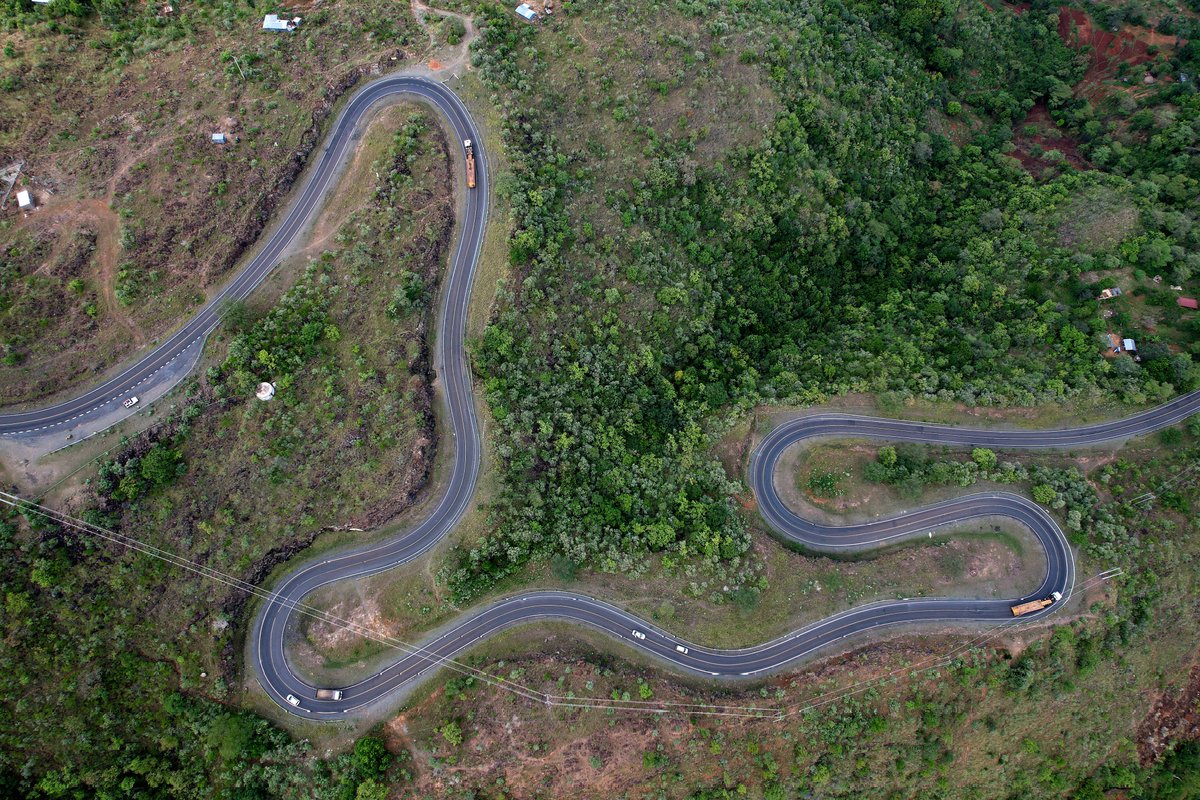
275,598
564,701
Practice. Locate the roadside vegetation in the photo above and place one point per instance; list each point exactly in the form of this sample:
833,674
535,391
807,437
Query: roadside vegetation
104,702
713,207
674,262
1104,703
111,107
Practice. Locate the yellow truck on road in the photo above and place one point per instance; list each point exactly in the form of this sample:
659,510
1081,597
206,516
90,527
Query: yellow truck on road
1035,605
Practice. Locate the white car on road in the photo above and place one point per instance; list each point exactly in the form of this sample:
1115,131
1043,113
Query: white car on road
131,402
639,635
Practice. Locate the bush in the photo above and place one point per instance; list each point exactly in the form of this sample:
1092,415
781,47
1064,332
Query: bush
452,733
371,758
410,295
1044,493
985,458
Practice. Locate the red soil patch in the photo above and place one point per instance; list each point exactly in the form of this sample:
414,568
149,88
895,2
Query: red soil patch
1108,49
1174,718
435,65
1048,137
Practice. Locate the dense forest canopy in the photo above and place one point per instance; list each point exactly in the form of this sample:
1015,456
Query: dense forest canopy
877,237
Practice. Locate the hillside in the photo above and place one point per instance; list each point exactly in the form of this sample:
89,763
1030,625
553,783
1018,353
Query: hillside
708,219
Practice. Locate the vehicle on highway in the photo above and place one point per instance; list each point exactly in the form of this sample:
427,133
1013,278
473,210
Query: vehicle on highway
470,163
1035,605
639,635
329,694
131,402
681,649
291,698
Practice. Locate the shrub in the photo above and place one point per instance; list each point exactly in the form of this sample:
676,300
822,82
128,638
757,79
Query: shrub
371,758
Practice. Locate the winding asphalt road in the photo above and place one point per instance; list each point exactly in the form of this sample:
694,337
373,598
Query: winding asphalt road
105,400
268,646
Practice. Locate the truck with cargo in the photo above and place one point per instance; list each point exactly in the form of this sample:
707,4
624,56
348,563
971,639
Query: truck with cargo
470,163
329,694
1035,605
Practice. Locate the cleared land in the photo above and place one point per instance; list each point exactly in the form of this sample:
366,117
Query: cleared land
348,442
139,213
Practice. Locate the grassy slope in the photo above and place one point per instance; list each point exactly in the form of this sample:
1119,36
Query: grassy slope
138,206
1027,715
257,486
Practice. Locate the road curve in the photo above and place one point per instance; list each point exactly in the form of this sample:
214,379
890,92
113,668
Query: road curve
104,401
268,652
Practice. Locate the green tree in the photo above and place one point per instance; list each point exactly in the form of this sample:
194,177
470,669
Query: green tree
1170,436
887,456
452,733
410,295
1044,493
1193,425
371,789
371,757
161,465
985,458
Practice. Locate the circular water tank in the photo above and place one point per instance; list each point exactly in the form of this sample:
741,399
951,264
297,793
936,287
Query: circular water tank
265,391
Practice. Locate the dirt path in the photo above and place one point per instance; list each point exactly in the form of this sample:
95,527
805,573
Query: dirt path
453,57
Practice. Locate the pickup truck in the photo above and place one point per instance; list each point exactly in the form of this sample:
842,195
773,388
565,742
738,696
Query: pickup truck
329,694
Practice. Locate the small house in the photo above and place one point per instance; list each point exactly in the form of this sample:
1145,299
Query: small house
42,2
273,22
1106,294
24,200
1187,302
527,13
1114,342
219,138
1130,345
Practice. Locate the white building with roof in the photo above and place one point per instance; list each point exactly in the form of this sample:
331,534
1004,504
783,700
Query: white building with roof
219,138
273,22
24,200
526,12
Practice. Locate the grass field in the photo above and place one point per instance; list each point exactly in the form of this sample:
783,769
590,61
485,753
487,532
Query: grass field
349,440
139,214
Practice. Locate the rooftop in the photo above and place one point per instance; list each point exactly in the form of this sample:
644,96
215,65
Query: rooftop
273,22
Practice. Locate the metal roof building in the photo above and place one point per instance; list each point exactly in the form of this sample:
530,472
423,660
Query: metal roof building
526,12
24,200
272,22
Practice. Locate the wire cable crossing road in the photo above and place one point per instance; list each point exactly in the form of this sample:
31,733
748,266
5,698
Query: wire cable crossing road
268,646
